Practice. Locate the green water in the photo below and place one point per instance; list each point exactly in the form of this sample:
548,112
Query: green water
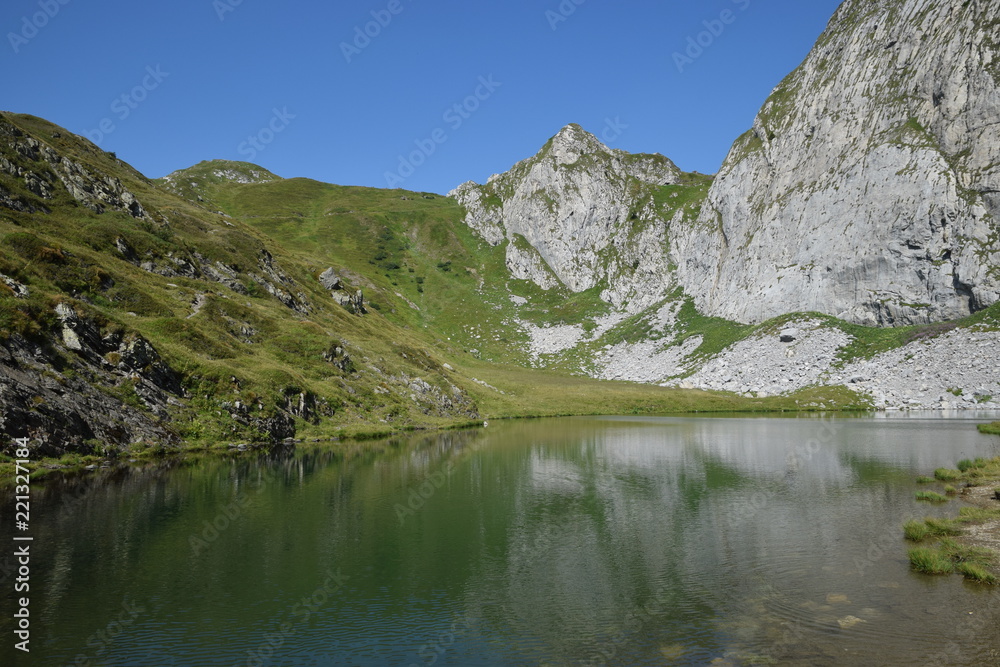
674,541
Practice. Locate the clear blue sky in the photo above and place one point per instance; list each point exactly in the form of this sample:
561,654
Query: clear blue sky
183,81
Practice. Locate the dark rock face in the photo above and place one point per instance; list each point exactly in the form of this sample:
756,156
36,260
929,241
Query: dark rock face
109,388
269,276
273,427
434,400
337,356
50,396
128,355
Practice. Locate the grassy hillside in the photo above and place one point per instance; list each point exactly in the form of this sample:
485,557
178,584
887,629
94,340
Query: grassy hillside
420,268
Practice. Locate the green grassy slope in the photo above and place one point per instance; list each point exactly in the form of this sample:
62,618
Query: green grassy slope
420,266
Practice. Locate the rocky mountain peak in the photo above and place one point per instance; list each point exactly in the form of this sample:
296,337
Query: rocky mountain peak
227,171
571,143
578,214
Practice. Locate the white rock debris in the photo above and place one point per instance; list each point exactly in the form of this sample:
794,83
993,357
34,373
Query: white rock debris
646,361
559,338
958,370
765,366
554,339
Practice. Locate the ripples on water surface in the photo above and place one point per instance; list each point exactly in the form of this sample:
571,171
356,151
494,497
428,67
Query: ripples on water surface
674,541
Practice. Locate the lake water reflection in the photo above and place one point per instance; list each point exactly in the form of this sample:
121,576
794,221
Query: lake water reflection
632,541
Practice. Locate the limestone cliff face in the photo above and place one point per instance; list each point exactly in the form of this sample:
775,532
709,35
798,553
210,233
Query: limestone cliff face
579,214
869,186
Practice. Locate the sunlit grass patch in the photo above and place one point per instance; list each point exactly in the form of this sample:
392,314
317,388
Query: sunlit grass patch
915,531
930,561
943,527
961,553
947,554
974,514
977,573
947,474
951,557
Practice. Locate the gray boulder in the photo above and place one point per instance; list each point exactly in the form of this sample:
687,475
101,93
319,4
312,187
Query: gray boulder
330,280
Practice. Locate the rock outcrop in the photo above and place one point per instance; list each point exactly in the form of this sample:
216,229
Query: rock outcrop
352,300
49,169
869,186
49,393
268,275
581,215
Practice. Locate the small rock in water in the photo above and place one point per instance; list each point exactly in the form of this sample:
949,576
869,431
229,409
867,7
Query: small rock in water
849,622
674,652
837,598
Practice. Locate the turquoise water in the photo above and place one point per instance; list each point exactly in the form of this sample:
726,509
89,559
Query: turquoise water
654,541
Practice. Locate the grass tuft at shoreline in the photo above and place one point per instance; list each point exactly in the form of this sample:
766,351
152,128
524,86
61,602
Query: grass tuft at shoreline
946,546
990,429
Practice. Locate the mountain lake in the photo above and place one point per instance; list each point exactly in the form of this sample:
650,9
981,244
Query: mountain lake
735,540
